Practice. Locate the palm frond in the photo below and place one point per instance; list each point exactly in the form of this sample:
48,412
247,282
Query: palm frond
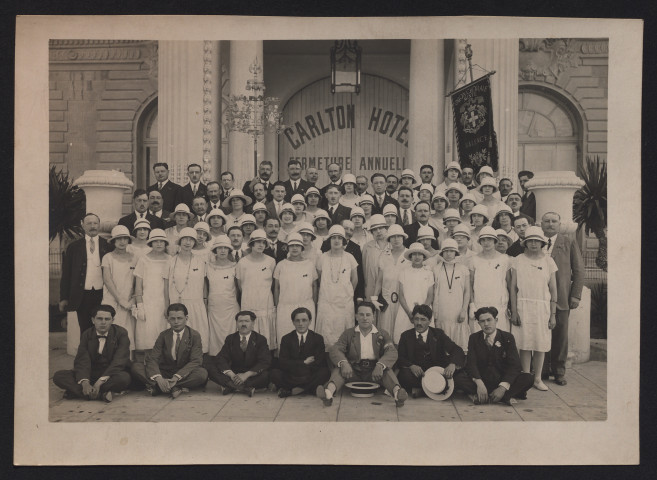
590,201
67,205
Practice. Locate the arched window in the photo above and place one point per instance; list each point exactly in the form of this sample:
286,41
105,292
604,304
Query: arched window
146,146
548,134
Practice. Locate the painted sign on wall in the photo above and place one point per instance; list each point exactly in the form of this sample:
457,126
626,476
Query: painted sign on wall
364,133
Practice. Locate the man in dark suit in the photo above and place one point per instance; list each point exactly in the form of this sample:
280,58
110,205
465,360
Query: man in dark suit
244,360
302,359
514,200
81,285
570,280
265,169
174,364
275,205
337,212
423,347
295,184
155,208
199,209
167,188
520,226
528,198
227,186
381,197
140,204
422,212
493,365
334,171
275,248
195,188
213,194
102,362
406,214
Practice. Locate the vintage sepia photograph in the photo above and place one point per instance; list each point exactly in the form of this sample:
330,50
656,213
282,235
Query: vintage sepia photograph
335,232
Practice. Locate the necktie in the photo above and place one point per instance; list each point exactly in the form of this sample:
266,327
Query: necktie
159,185
301,343
419,338
141,215
101,343
278,208
489,340
92,245
237,255
175,347
243,343
194,189
405,217
549,245
294,186
332,210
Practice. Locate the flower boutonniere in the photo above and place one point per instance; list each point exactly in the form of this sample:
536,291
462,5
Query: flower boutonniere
498,344
379,338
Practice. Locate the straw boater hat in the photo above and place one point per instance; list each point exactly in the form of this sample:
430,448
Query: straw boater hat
258,235
312,190
425,232
204,227
390,209
236,193
295,239
183,208
533,233
187,232
484,169
451,214
416,248
337,231
461,229
504,209
120,231
452,165
396,230
377,221
348,178
322,214
487,232
247,218
454,186
157,234
357,212
216,212
480,210
502,233
305,227
287,207
408,173
468,196
435,385
221,241
450,244
488,182
439,196
366,198
141,223
298,198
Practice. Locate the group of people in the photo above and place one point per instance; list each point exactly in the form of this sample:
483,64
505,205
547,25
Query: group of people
234,267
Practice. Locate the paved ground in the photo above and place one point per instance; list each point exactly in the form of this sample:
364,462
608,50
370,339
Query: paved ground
584,398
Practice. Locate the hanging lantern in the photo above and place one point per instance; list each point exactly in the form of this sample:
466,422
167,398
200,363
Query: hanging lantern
345,67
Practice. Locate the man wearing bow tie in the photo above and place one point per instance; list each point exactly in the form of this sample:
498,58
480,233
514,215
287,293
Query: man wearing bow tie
102,361
174,364
243,363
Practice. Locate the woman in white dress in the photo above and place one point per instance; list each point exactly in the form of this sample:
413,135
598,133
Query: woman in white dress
322,224
349,197
438,205
533,303
118,267
203,241
425,236
390,263
504,221
248,226
487,188
504,241
451,218
338,279
361,236
462,236
254,274
186,284
295,285
217,221
260,214
236,201
479,219
391,214
367,204
310,250
372,252
466,204
140,231
287,217
451,295
415,288
299,205
489,279
222,294
312,201
181,216
149,275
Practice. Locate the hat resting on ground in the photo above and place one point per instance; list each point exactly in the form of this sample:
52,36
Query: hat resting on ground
435,385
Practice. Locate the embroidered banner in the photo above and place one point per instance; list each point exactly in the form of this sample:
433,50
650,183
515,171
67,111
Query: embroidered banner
473,124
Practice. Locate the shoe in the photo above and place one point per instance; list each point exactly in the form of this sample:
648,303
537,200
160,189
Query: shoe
560,380
251,392
321,393
153,392
402,396
282,393
416,392
272,388
107,396
227,390
474,399
521,396
540,386
68,396
175,392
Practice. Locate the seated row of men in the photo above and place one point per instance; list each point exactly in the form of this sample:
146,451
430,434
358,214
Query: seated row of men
490,373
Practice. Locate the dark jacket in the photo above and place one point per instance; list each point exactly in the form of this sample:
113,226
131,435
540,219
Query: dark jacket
570,276
115,358
386,201
169,192
499,363
74,270
246,189
528,206
341,213
515,249
412,229
301,188
281,251
257,357
443,351
188,357
185,195
291,358
129,221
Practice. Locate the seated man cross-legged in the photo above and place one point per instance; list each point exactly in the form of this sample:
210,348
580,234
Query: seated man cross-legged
493,364
174,364
301,360
423,347
102,362
243,363
363,353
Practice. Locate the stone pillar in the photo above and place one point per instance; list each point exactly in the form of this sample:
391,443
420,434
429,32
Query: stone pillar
240,145
426,106
579,330
554,192
501,55
181,82
104,191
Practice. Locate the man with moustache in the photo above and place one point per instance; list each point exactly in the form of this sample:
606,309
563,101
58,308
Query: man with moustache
467,178
528,199
166,187
312,175
334,171
155,208
422,213
362,183
259,195
265,170
140,205
426,175
227,185
214,195
381,197
295,184
514,200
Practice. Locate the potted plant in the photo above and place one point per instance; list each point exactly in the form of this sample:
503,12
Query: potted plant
590,205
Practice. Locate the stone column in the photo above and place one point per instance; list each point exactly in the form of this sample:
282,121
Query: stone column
240,145
426,106
501,55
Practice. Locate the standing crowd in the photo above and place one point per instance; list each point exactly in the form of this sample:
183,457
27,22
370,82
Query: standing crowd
296,288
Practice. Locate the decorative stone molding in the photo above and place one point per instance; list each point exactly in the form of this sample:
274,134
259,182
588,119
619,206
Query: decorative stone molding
207,111
104,194
150,61
90,43
106,54
106,178
461,62
545,59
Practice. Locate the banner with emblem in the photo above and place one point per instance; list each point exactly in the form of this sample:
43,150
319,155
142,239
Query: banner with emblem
473,124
